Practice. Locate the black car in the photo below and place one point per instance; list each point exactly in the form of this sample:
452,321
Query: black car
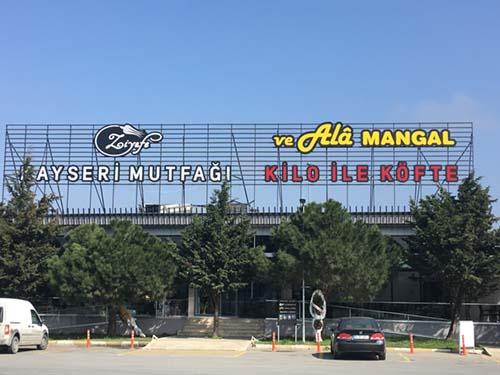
357,335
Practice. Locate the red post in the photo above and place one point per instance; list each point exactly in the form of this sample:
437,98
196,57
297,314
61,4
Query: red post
273,347
464,348
88,338
318,343
412,344
132,339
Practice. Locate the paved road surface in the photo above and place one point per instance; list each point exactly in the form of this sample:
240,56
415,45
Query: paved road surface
96,361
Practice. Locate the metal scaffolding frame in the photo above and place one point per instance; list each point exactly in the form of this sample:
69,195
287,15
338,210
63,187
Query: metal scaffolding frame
246,147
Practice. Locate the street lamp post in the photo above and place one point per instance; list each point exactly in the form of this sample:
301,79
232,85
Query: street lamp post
303,309
302,202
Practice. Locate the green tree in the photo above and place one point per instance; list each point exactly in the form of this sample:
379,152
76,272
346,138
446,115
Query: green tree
126,265
26,241
455,243
348,260
217,253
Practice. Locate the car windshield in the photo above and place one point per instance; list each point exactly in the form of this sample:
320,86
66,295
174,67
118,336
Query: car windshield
358,324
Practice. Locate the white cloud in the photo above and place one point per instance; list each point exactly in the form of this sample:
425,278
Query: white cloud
457,107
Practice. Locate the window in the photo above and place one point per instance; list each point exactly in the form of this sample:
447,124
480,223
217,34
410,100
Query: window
1,314
34,318
358,324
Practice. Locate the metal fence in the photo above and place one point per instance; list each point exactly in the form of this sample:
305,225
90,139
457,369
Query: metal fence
268,308
259,217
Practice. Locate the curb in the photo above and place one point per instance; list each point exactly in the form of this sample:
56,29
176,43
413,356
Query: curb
293,348
287,348
422,350
105,344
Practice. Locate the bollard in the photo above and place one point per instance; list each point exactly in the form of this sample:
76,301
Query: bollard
273,347
88,338
412,344
132,339
464,348
318,343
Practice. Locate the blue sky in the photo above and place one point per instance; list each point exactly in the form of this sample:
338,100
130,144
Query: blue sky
254,61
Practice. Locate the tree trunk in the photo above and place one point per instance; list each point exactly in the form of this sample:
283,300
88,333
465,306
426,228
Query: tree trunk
216,302
456,306
111,320
129,321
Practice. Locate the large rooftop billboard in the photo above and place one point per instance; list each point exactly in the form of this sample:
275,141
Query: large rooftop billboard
122,165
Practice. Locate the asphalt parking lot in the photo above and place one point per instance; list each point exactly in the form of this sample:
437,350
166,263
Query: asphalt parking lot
95,361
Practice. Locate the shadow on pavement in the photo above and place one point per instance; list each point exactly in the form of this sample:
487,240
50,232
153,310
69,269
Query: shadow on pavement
3,351
347,357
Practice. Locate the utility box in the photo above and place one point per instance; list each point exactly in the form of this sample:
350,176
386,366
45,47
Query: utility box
466,334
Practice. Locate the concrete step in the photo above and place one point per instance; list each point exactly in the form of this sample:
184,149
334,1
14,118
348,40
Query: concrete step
229,327
242,330
240,334
242,323
200,330
222,329
185,334
197,330
241,327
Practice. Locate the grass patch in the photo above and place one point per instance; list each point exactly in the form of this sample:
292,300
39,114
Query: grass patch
421,342
391,342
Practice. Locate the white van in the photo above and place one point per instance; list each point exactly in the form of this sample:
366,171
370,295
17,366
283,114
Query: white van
20,325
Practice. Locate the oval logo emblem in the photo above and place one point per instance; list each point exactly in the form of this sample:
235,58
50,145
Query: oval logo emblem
120,140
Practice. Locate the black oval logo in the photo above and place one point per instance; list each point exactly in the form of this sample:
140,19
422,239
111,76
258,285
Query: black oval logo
120,140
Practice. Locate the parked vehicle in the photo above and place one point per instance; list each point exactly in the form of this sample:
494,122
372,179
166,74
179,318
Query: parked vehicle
20,325
357,335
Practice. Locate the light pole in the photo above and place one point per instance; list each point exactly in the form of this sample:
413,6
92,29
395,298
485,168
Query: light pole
302,202
303,309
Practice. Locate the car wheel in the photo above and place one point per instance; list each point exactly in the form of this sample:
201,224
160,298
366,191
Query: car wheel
44,343
14,345
381,356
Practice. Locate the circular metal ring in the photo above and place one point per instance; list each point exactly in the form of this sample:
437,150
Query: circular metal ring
317,309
